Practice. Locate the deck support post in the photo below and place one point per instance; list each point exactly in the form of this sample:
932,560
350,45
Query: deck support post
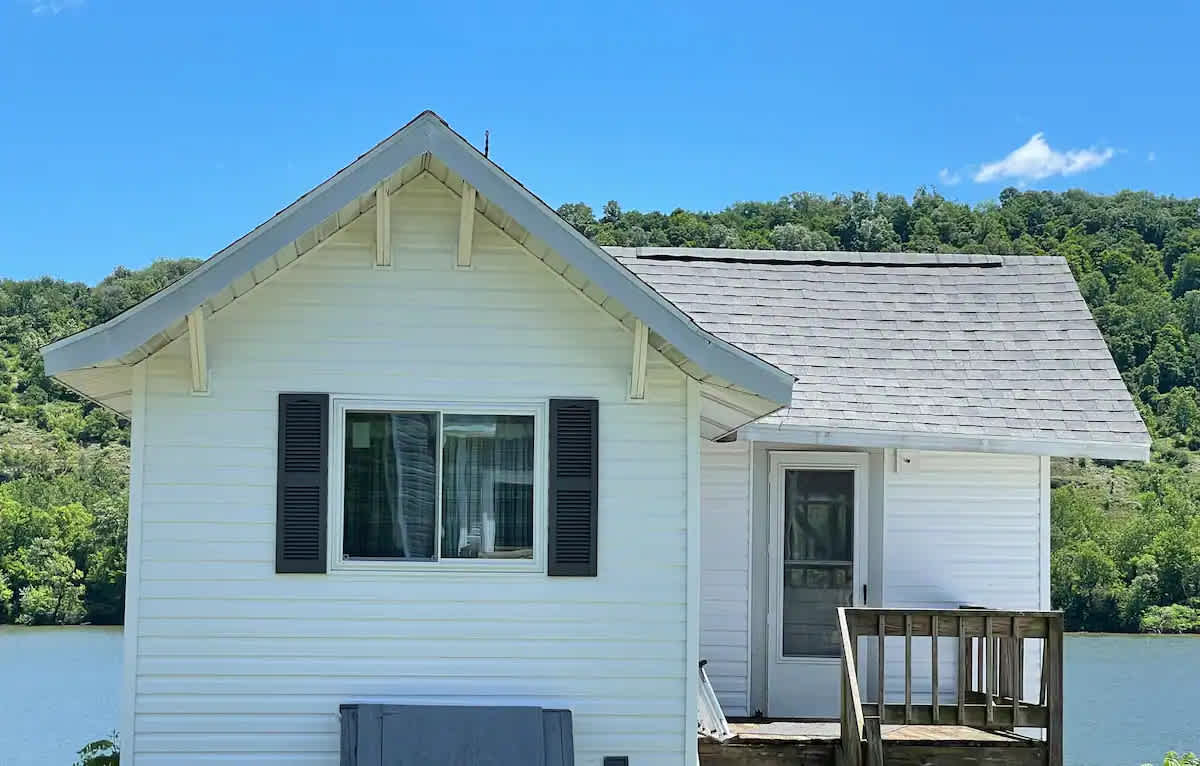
198,350
1054,694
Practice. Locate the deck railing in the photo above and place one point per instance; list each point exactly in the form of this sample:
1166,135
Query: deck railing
989,648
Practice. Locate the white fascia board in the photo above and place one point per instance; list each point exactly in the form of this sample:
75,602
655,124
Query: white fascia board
133,327
948,442
426,133
706,350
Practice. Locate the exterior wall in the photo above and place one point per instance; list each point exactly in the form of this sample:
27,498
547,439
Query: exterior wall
725,572
233,663
964,528
946,529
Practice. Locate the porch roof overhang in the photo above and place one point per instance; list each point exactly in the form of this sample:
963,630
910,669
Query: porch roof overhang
737,386
866,438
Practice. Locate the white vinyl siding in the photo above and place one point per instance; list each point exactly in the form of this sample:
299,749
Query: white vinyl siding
236,664
963,528
950,529
725,571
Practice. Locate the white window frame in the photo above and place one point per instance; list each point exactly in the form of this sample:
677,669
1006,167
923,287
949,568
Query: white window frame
342,404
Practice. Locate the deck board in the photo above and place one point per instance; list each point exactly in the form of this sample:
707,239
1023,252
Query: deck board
809,731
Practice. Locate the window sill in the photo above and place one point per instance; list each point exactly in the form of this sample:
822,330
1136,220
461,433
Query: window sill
427,568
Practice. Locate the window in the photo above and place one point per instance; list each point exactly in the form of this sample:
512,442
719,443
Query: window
427,485
818,559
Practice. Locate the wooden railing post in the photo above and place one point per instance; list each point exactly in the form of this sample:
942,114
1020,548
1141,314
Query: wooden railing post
852,715
1054,693
882,664
964,669
908,715
874,742
988,670
933,668
1018,669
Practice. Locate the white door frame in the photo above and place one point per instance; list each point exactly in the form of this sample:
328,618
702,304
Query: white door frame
781,461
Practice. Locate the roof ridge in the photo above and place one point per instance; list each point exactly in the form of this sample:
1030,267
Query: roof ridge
810,257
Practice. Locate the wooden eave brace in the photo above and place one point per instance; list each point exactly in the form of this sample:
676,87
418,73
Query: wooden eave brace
466,226
383,227
637,377
198,348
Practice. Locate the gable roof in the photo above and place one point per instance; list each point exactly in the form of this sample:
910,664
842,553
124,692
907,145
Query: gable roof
998,353
147,326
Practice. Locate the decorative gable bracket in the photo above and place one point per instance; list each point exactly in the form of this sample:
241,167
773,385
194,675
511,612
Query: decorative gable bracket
637,375
198,351
383,227
466,226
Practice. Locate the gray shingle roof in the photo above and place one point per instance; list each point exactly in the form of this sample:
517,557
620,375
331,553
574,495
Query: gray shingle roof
987,347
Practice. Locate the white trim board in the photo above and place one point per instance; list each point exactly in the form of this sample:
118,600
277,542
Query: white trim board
133,563
839,437
427,133
806,671
691,667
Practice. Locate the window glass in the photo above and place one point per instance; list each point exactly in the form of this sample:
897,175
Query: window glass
390,485
818,559
487,486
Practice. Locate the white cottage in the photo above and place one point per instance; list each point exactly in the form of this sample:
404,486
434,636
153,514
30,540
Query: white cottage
416,440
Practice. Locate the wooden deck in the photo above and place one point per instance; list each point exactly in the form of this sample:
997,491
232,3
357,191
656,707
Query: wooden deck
807,731
816,743
974,726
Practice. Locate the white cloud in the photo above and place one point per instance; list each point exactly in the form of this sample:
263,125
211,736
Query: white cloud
1035,160
52,7
949,177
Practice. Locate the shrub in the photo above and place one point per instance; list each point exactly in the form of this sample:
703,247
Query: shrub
1176,618
102,752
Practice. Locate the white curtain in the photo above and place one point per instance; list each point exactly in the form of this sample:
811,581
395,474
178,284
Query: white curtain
487,502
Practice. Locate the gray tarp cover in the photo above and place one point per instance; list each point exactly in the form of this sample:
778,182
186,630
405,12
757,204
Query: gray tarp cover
420,735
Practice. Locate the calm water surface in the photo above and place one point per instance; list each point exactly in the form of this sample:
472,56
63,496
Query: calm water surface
58,691
1129,698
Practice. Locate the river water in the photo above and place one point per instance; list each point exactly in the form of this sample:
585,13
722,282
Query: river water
1129,699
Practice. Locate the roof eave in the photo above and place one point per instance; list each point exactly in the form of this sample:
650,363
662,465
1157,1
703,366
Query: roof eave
427,133
129,329
834,437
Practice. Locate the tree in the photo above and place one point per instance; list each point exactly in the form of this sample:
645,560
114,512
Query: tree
1187,275
54,595
794,236
612,212
6,595
1180,410
1085,584
1094,288
578,215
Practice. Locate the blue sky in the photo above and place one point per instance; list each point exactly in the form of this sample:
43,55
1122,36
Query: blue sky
131,131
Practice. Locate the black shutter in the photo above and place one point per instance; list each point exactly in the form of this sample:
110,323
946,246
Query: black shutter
303,483
574,487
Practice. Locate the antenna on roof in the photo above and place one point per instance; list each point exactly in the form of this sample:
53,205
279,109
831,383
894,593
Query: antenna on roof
486,135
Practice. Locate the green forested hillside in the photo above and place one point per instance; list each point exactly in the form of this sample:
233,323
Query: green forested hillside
63,463
1126,539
